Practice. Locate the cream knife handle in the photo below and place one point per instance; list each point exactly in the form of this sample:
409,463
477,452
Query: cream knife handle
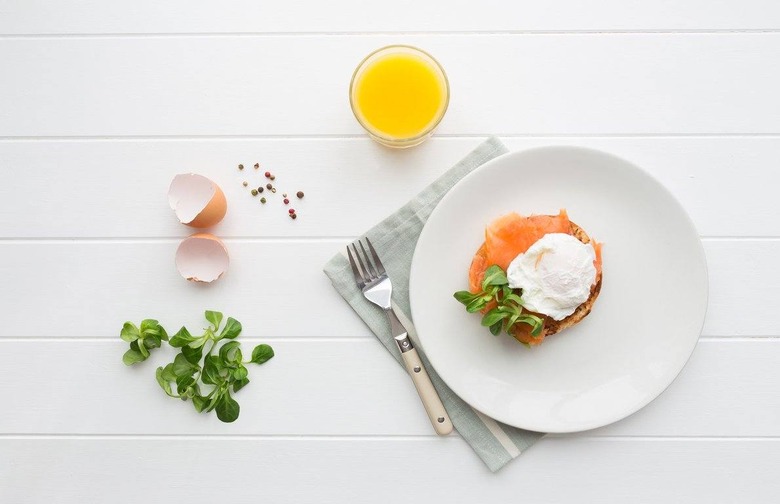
430,398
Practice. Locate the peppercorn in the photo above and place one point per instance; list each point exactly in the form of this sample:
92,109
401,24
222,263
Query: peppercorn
257,166
273,177
294,216
268,186
246,183
254,192
240,167
291,211
267,174
284,195
299,194
260,189
262,200
286,201
273,190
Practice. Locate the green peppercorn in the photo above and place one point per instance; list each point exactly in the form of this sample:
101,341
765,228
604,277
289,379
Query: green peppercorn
262,200
254,192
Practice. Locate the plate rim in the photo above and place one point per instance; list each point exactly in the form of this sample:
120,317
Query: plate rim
583,426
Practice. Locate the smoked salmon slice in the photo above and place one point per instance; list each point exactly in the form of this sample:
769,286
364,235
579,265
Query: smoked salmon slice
597,262
513,234
510,235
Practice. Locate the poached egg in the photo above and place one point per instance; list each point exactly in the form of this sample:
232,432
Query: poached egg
556,274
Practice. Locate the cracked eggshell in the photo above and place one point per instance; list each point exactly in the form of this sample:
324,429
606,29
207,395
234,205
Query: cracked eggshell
197,200
202,257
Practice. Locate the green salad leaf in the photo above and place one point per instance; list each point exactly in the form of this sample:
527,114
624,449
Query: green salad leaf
205,370
150,335
506,304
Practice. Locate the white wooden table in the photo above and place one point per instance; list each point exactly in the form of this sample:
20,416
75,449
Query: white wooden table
101,103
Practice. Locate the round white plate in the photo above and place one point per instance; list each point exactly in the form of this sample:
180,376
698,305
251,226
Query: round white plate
643,326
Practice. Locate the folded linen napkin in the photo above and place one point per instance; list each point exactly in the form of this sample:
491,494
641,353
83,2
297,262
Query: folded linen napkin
395,239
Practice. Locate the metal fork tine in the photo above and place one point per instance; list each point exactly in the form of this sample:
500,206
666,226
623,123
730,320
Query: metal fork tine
377,262
371,268
366,274
358,275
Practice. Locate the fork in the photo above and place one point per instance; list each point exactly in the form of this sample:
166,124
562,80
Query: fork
376,286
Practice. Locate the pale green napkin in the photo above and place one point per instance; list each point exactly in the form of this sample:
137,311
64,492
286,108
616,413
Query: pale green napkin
395,239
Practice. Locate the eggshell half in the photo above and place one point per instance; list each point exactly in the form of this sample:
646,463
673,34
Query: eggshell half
202,257
197,200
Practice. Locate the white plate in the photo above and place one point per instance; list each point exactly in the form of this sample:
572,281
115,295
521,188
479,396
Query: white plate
643,326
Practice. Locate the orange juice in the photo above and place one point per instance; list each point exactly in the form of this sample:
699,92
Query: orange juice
399,94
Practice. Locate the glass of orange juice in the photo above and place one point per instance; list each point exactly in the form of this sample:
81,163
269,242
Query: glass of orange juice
399,94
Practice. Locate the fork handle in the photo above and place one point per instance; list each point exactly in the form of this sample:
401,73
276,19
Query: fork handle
422,382
430,398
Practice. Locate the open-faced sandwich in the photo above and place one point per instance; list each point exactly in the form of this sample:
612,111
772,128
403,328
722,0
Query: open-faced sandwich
533,276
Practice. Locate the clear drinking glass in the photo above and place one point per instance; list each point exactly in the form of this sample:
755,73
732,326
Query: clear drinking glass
399,94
